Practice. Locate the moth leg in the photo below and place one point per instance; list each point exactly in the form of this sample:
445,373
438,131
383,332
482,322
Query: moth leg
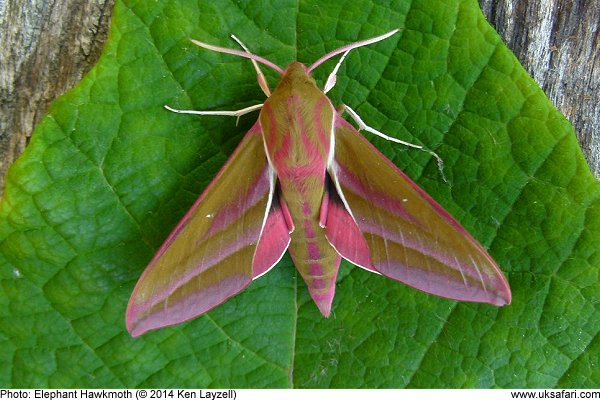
260,77
363,126
234,113
330,83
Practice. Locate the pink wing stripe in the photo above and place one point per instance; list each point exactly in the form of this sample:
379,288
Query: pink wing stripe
377,198
209,260
420,244
340,122
254,131
273,242
192,305
414,276
343,233
228,215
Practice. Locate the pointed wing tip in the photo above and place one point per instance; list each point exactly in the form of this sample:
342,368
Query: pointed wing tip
503,293
133,329
501,297
136,328
134,323
499,302
131,321
134,332
505,298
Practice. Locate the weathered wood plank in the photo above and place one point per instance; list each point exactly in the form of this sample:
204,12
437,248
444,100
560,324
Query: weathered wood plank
45,49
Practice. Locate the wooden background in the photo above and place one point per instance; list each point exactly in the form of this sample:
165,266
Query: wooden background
46,47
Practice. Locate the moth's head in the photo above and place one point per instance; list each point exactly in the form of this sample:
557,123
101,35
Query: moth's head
297,73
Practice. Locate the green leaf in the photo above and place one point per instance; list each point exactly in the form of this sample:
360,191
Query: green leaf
109,172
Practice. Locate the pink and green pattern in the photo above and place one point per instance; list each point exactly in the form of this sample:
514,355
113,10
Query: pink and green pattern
304,180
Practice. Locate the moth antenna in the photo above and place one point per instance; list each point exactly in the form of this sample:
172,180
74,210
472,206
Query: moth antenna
363,126
351,46
239,53
260,77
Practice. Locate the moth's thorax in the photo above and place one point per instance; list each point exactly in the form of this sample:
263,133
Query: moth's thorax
297,122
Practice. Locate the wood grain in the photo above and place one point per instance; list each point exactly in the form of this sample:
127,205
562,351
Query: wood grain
45,49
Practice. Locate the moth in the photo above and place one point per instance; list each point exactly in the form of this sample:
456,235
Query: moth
305,180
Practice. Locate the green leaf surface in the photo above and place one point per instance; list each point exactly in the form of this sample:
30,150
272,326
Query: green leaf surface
109,173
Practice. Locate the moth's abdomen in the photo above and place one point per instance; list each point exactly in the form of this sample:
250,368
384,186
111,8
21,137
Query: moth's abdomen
316,260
